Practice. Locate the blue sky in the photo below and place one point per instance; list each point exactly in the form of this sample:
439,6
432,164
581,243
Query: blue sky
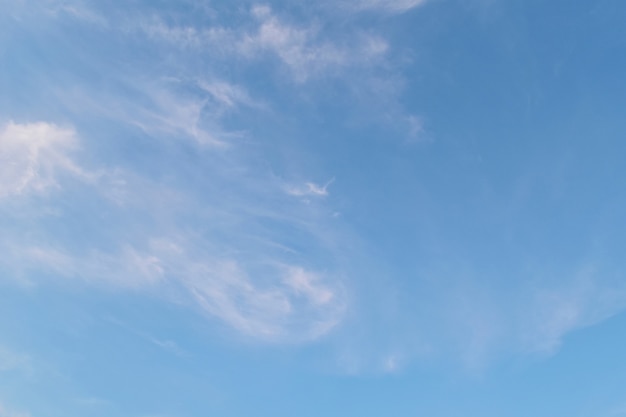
349,207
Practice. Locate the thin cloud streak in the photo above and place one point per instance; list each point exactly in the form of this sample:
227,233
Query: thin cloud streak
391,6
294,305
583,302
258,260
256,288
32,155
309,189
301,49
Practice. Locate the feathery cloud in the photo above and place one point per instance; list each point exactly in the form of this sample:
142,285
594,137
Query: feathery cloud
242,279
555,312
280,303
32,155
392,6
300,48
309,189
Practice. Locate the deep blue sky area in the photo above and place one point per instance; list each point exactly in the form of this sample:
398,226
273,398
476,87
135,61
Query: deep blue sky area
331,208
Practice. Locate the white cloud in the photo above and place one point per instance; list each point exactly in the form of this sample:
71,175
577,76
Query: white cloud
78,10
166,345
174,115
261,290
307,284
302,49
295,46
184,36
169,346
392,6
252,271
469,318
126,268
280,303
557,311
415,128
189,107
33,155
392,363
228,95
309,189
273,303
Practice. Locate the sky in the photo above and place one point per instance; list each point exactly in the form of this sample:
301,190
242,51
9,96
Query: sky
329,208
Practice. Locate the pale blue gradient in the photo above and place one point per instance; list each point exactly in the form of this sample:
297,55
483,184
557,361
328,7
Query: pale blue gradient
333,208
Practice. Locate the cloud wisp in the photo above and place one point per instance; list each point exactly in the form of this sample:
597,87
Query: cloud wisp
240,276
275,303
190,208
586,300
390,6
301,49
33,155
309,189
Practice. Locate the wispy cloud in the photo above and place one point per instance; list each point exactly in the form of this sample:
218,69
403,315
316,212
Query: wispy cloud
173,115
415,128
392,6
556,311
291,306
228,96
300,48
307,284
269,302
310,189
79,11
238,276
32,155
304,50
166,344
465,317
126,268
